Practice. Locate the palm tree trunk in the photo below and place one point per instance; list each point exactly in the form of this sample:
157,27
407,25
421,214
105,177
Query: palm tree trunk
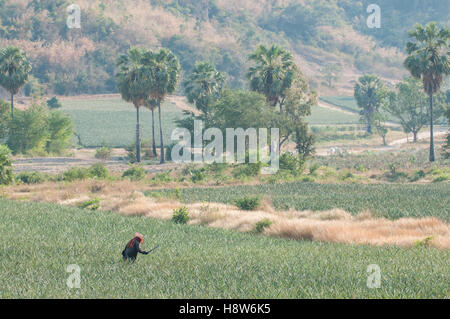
162,161
415,137
138,137
153,133
431,130
12,105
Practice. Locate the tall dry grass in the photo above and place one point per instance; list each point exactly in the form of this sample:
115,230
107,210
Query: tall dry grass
336,225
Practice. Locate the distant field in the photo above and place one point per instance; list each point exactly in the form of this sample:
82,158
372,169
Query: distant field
39,241
321,115
349,103
112,121
389,200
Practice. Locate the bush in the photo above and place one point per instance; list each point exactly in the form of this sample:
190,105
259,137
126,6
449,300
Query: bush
198,176
248,202
75,173
54,103
103,153
92,204
6,172
31,177
60,130
135,173
98,171
259,228
290,162
417,175
163,177
180,215
247,170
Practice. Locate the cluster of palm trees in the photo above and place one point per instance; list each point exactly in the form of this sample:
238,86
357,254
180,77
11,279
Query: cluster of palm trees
145,78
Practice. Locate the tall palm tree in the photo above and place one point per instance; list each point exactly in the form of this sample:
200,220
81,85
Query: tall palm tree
428,60
14,70
163,69
273,74
370,93
151,104
203,86
134,85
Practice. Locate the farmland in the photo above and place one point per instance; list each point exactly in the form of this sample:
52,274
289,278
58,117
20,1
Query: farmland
194,261
112,121
387,200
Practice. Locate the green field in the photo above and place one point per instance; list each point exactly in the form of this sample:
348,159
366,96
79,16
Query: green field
112,122
321,115
389,200
38,242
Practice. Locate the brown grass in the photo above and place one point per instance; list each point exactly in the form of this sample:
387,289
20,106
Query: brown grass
336,225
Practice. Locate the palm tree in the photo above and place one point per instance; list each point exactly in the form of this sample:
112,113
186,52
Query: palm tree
14,70
428,61
203,86
151,104
163,69
134,85
273,74
370,93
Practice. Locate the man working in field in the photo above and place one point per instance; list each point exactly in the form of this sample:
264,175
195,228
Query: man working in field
132,248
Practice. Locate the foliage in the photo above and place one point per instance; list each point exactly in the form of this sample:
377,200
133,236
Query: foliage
265,223
4,118
6,172
75,173
248,202
103,153
98,171
180,216
30,177
293,163
60,130
92,204
54,103
370,95
134,173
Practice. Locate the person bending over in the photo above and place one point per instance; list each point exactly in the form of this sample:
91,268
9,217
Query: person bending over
132,248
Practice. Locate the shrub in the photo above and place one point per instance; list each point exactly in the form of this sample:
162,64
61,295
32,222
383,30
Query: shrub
313,168
98,171
247,170
417,175
75,173
259,228
135,173
163,177
60,130
294,164
92,204
6,172
31,177
180,215
248,202
54,103
198,176
103,153
442,178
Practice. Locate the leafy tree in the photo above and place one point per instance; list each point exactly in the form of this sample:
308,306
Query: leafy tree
428,60
409,105
60,130
6,172
54,103
14,71
133,82
163,69
273,74
203,86
28,130
331,73
370,94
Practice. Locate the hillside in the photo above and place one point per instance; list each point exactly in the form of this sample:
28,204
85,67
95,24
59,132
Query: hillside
318,32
